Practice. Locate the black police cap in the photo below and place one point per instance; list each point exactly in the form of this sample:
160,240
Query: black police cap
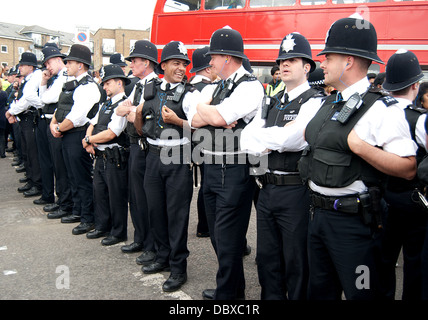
352,36
173,50
200,59
144,49
50,52
28,59
118,59
113,71
402,70
316,77
227,41
79,53
294,45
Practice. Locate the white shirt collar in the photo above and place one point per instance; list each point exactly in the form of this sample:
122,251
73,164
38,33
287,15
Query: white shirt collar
293,94
360,86
117,97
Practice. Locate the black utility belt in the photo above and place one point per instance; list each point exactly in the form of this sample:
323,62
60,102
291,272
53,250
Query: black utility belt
278,179
347,204
110,153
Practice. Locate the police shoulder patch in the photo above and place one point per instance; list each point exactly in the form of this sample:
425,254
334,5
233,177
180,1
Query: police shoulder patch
388,100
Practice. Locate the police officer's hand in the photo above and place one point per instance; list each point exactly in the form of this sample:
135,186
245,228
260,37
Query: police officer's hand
55,133
46,75
169,116
90,149
124,108
230,126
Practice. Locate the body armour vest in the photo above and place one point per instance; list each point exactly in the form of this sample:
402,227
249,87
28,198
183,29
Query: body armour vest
65,100
396,184
328,160
227,140
279,114
155,98
104,118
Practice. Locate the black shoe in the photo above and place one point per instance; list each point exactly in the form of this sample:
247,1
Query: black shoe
95,234
83,228
133,247
42,201
58,214
174,282
24,180
10,149
51,207
155,267
208,294
26,187
111,240
17,163
247,250
202,234
20,169
72,218
146,258
34,191
3,156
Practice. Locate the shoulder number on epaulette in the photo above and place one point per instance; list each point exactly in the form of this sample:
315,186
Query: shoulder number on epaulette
388,100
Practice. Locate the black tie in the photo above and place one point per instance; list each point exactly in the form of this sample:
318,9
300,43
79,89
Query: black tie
52,80
168,87
286,101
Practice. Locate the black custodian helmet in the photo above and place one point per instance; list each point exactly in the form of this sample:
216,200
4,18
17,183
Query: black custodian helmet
352,36
294,45
144,49
228,42
173,50
113,71
200,59
50,52
402,70
79,53
28,59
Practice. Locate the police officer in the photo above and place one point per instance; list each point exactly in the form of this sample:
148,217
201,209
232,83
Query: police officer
144,58
406,218
168,178
228,186
204,75
282,225
25,108
119,60
355,138
53,79
76,104
106,140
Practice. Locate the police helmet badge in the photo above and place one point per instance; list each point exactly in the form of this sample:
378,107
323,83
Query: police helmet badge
288,43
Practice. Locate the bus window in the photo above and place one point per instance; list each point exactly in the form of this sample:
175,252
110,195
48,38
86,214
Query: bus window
355,1
312,2
224,4
181,5
271,3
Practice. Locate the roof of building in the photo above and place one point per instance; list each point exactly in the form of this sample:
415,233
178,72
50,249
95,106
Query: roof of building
12,31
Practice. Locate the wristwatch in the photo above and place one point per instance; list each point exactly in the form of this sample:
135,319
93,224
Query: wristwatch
87,140
57,128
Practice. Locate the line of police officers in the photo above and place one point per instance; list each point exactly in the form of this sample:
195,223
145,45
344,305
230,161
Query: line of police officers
339,196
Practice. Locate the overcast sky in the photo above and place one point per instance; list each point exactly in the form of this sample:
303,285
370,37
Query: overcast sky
65,15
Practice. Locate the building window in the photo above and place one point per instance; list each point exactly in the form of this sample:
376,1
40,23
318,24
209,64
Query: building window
21,50
109,46
3,49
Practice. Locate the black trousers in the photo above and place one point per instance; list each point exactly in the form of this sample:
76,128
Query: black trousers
45,159
202,225
62,183
111,197
16,128
169,190
404,229
137,198
79,167
342,257
29,149
282,231
228,195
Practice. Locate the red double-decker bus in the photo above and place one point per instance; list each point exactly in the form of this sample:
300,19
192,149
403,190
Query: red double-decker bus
264,23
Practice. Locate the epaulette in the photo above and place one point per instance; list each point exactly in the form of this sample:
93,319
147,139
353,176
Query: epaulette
388,100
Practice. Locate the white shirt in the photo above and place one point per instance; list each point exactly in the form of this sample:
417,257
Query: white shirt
243,103
117,123
255,138
30,97
198,78
84,96
51,94
381,126
190,99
